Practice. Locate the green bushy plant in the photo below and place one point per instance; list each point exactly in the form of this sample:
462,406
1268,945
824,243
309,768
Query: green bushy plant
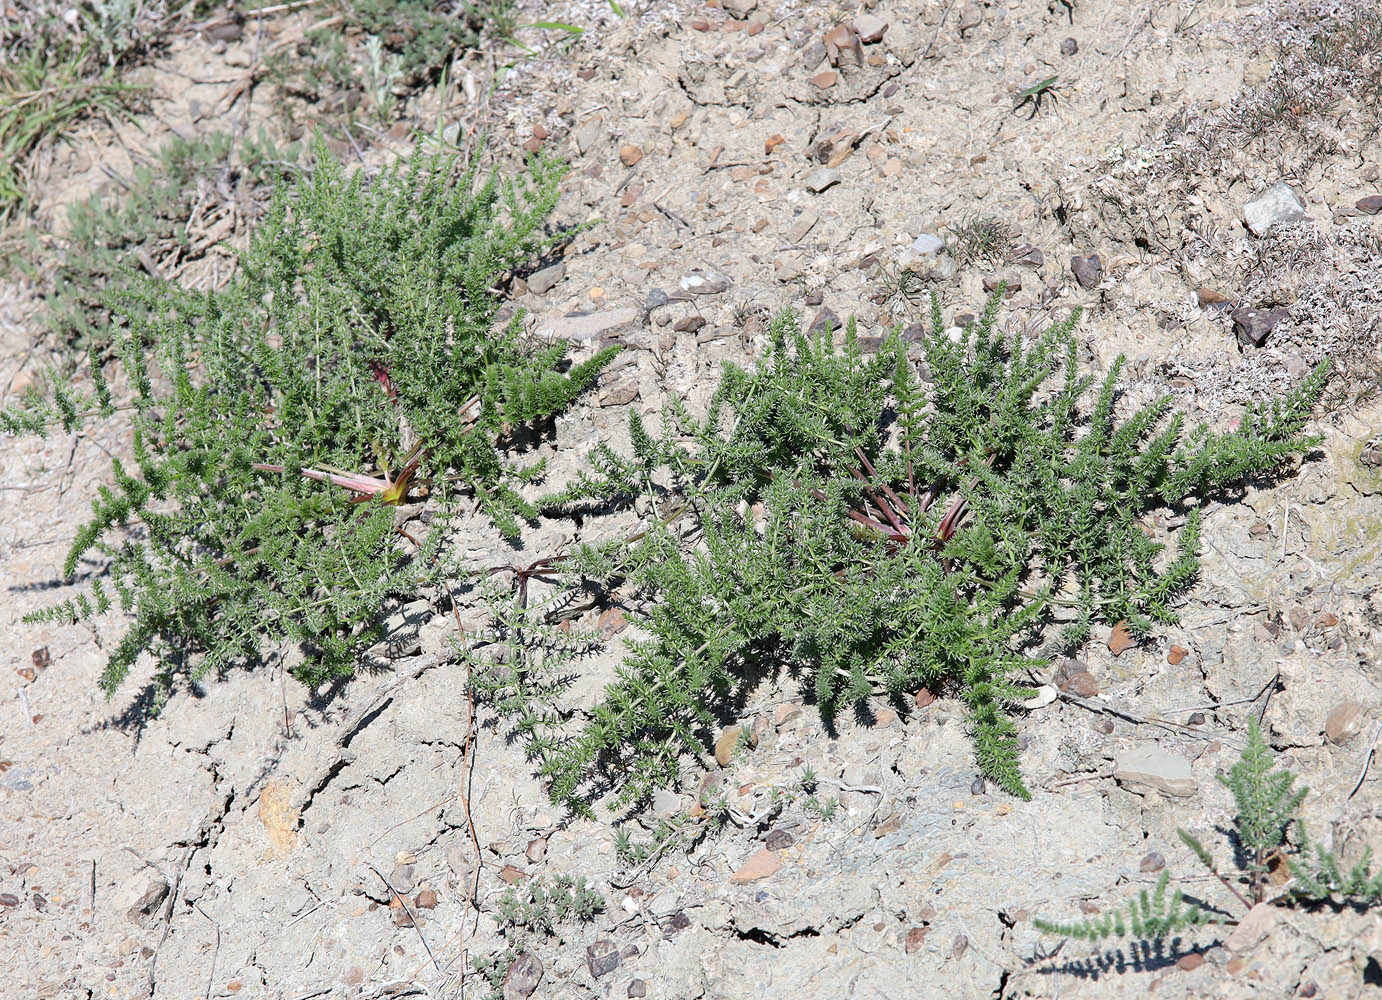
351,364
836,519
1266,803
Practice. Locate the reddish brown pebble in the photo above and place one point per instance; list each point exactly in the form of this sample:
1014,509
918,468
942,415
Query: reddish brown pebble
754,28
1191,962
512,875
586,74
761,864
425,900
1087,907
41,658
1081,684
539,130
772,143
630,154
532,145
890,825
1235,966
760,225
612,622
700,25
916,937
1327,620
1120,639
1209,297
1175,654
825,80
355,976
234,986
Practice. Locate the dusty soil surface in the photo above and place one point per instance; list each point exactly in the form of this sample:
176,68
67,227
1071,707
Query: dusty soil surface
254,841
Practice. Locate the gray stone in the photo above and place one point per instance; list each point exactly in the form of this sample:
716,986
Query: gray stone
638,988
821,179
1087,270
825,320
589,134
542,282
1255,925
656,299
602,957
666,804
1069,47
401,879
588,326
1370,205
523,976
926,244
705,282
1253,325
1276,206
1029,255
870,28
778,840
1153,767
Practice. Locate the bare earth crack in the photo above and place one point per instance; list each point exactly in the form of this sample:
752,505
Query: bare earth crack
355,724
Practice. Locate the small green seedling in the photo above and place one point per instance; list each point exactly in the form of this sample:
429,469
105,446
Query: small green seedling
1036,93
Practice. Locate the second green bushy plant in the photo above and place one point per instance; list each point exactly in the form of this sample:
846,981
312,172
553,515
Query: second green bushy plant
836,519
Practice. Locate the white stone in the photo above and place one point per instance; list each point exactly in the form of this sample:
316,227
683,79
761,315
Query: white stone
1156,768
1275,206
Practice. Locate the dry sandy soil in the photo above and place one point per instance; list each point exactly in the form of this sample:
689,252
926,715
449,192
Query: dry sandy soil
251,841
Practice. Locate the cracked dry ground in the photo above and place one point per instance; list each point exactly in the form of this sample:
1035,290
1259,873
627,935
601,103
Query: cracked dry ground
249,842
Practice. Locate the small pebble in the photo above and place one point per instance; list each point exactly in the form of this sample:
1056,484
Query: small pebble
977,787
1069,47
1153,862
1345,721
602,957
822,178
1087,270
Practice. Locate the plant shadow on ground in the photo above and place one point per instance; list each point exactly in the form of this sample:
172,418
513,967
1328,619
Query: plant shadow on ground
1137,957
